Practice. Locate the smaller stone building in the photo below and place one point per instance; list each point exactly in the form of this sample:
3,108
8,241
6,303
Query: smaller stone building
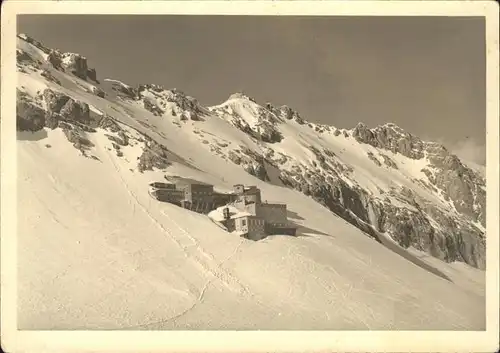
247,225
247,194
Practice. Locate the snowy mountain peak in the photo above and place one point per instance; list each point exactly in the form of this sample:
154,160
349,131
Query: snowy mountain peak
175,102
391,125
240,96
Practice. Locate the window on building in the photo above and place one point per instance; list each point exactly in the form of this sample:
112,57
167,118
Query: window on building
243,222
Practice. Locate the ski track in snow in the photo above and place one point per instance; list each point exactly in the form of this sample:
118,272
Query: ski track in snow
212,267
214,270
198,301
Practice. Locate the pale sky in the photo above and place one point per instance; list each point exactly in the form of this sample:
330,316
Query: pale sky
426,74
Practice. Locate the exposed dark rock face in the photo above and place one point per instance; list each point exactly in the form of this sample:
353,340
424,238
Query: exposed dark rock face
92,74
151,87
464,187
454,240
98,92
65,107
54,100
258,170
75,111
109,124
267,130
154,155
76,64
48,75
251,162
54,58
121,139
388,161
30,117
268,120
187,105
34,42
184,106
290,114
465,191
285,113
235,158
153,108
22,56
52,120
390,137
374,159
77,137
336,195
123,91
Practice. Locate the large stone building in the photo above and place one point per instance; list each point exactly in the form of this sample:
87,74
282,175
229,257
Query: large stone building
254,219
190,194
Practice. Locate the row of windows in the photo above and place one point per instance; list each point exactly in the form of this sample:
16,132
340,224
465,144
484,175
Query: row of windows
252,221
201,193
168,193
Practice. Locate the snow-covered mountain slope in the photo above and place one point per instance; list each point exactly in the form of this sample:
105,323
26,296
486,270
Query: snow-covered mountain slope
96,251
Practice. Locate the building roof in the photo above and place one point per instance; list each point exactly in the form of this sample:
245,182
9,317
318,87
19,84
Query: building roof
182,180
218,214
161,184
241,215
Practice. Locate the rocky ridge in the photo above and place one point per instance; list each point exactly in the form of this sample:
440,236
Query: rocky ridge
73,63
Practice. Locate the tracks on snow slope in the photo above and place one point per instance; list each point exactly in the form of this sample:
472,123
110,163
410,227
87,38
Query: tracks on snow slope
209,266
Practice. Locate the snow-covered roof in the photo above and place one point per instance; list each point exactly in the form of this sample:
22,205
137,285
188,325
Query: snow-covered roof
218,214
241,214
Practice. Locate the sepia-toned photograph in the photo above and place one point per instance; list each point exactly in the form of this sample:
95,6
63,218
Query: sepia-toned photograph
249,172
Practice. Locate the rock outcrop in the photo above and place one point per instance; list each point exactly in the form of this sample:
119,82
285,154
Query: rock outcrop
98,92
153,108
123,90
48,75
55,59
76,135
288,113
62,106
153,156
54,100
390,137
463,186
22,56
157,99
30,117
76,64
250,161
266,127
92,74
